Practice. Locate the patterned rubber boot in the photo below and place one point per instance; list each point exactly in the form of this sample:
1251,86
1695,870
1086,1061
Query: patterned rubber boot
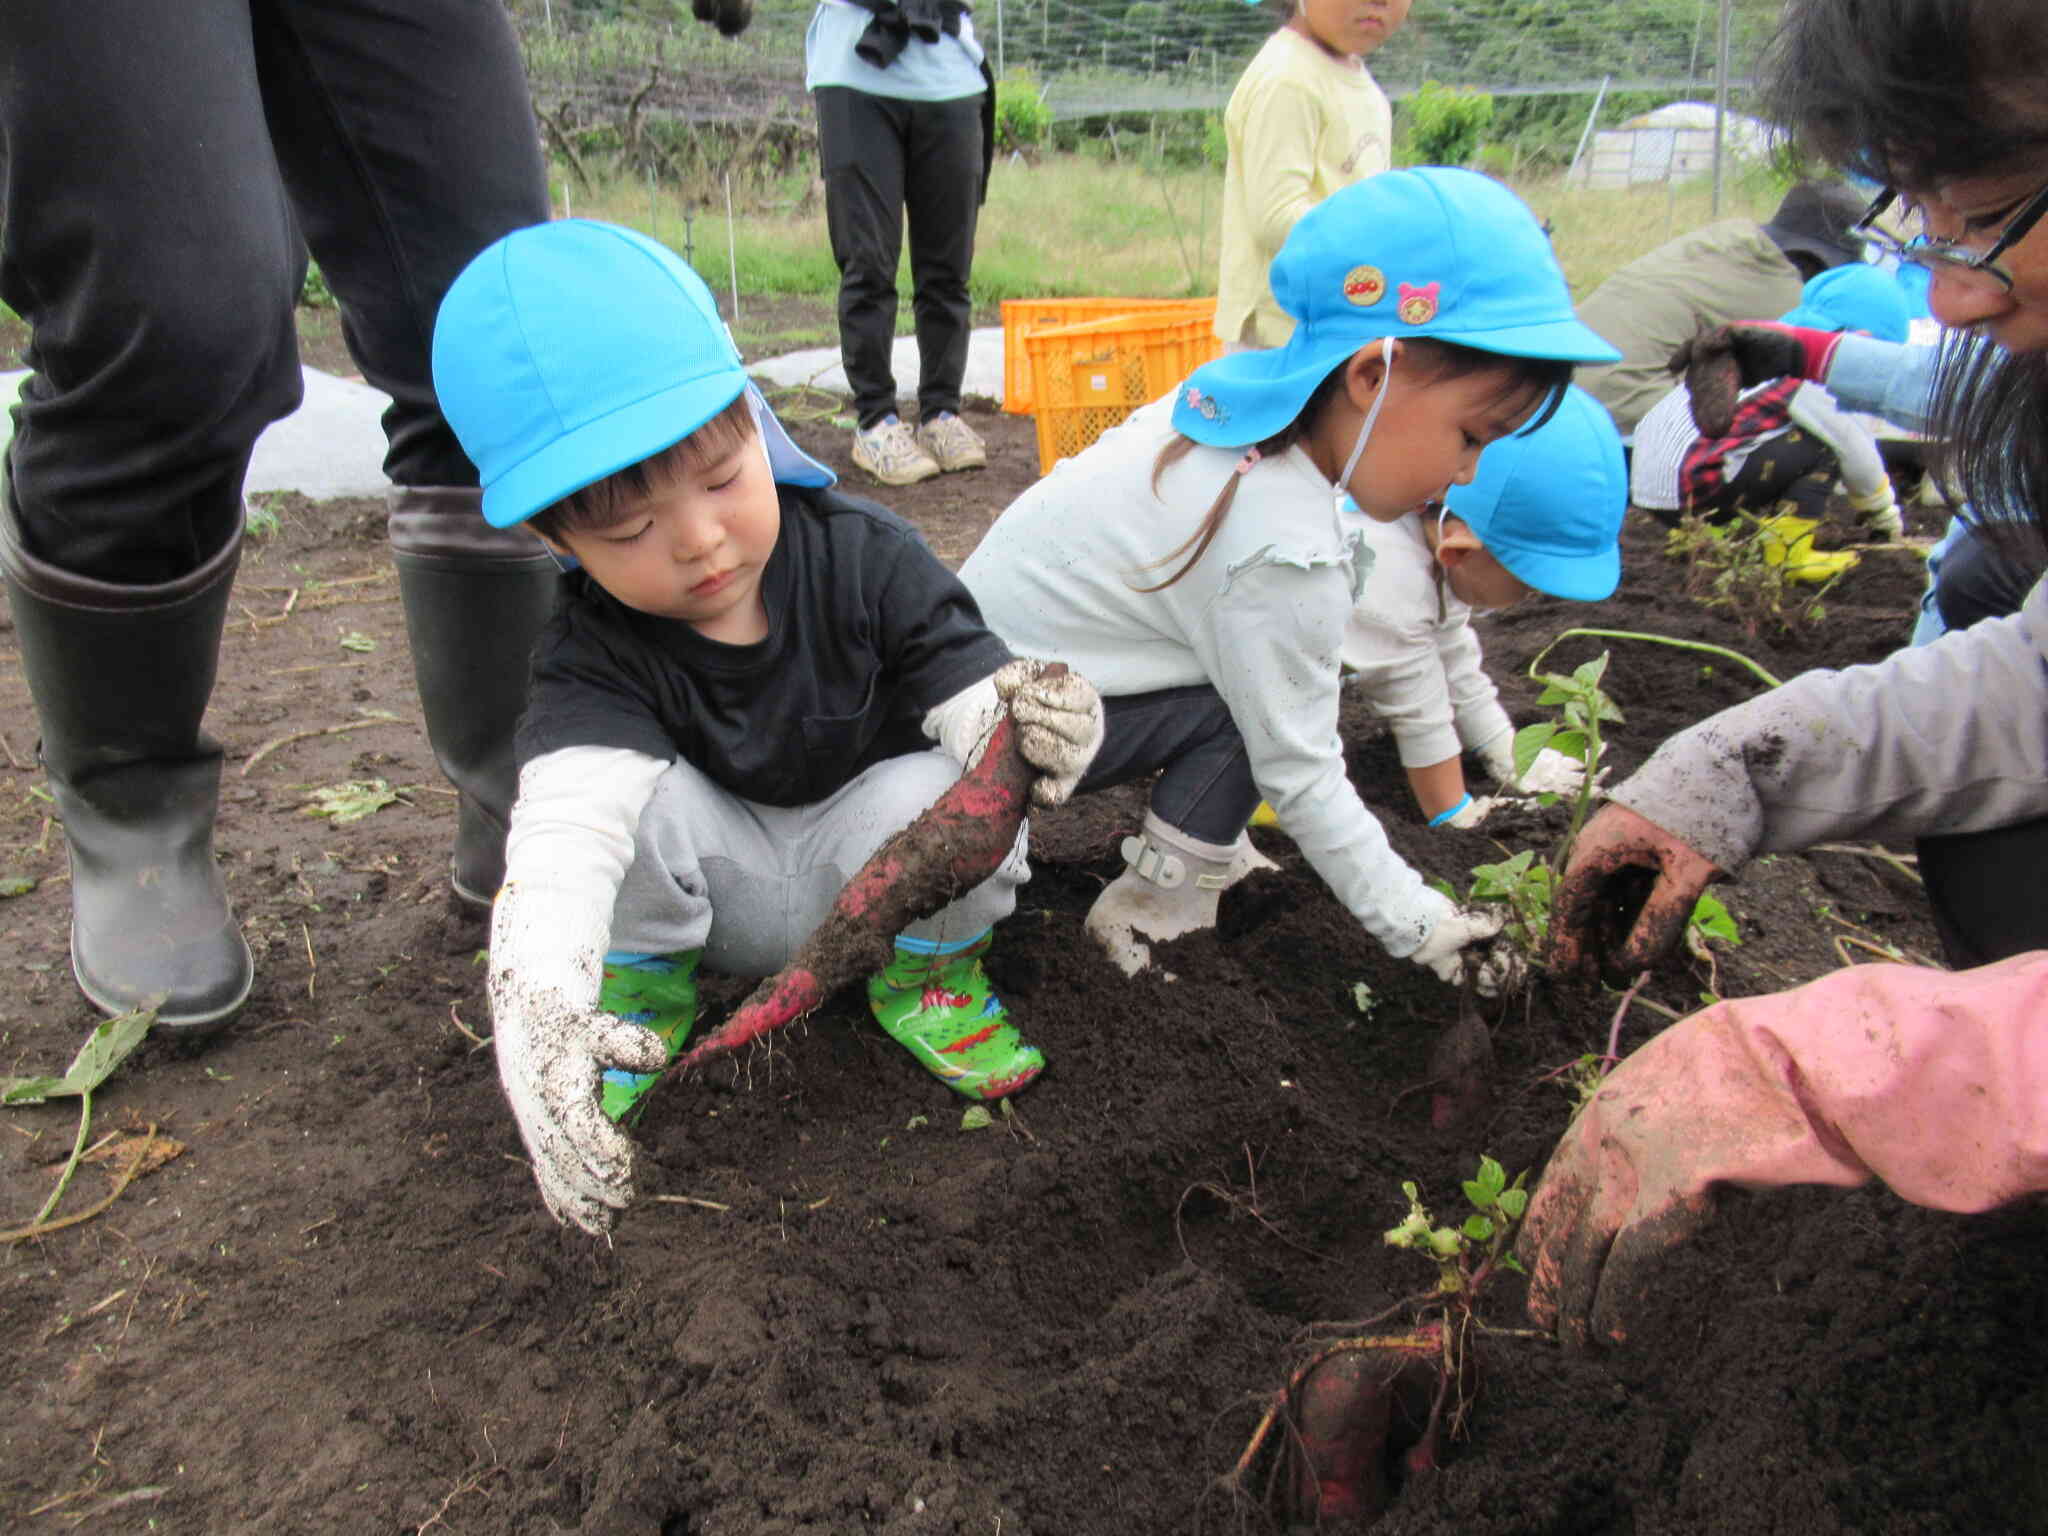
659,992
936,1002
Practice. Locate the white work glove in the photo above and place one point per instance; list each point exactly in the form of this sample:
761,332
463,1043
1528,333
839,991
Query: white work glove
553,1045
1470,814
1471,933
1878,511
1551,773
1059,724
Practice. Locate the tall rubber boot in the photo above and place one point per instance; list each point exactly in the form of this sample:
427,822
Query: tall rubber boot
475,600
120,677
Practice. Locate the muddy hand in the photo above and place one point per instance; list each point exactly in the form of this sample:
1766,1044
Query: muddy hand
1059,723
1596,1235
1615,845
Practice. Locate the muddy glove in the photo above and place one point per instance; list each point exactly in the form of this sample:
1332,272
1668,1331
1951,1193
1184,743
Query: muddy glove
1551,772
1934,1082
1618,857
1058,716
1723,360
553,1045
1470,935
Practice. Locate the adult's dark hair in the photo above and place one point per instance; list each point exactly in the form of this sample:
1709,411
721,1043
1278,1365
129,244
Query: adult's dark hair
1911,93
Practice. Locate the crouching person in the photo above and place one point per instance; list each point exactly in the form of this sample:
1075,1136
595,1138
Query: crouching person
735,704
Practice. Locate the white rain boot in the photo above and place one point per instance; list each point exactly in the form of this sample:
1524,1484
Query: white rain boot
1170,889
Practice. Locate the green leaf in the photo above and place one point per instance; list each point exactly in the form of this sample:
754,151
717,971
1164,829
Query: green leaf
1713,919
104,1050
1513,1202
1479,1229
1446,1243
976,1118
16,885
352,801
355,640
1530,740
1573,744
1408,1189
1509,1261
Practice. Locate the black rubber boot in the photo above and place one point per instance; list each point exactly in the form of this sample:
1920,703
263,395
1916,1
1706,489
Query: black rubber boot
120,677
475,599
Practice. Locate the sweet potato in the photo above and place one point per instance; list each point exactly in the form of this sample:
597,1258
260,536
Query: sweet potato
1355,1409
955,845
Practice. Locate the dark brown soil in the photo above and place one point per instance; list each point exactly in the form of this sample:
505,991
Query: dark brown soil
343,1309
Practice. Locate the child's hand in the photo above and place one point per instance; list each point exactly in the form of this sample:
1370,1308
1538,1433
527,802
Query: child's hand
552,1050
1059,723
1470,814
1470,936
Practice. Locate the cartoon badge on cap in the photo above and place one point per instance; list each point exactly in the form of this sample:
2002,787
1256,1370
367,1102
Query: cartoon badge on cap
1365,286
1418,305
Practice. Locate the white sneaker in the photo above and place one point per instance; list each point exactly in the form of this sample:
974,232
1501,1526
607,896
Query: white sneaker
889,453
952,443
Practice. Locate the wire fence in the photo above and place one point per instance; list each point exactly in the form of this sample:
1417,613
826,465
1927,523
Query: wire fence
634,79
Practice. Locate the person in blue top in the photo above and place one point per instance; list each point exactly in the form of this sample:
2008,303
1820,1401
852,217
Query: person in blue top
906,121
750,683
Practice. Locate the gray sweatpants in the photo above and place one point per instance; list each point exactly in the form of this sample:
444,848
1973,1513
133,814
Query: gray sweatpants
747,883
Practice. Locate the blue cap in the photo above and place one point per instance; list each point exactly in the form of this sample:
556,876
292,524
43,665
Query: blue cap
1548,504
566,352
1853,298
1447,254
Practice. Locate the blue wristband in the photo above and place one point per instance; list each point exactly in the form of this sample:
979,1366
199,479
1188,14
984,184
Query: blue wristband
1443,816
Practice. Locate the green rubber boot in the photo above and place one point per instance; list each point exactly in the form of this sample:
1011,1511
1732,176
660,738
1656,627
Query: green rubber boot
658,992
936,1002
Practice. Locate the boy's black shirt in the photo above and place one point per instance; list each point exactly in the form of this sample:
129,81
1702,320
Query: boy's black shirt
867,631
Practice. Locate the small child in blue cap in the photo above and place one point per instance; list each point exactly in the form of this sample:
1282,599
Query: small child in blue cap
1198,565
751,682
1789,439
1542,515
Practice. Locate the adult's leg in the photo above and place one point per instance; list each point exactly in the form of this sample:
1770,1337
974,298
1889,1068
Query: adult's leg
861,148
406,136
942,192
1977,579
1989,891
146,239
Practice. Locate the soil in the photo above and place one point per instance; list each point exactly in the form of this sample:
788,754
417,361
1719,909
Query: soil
344,1309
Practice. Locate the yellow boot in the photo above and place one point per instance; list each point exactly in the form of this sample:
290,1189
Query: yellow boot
1788,541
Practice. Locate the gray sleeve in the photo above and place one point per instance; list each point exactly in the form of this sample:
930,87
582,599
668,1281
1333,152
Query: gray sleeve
1948,737
1854,448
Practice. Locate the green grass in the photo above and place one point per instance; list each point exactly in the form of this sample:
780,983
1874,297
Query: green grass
1072,225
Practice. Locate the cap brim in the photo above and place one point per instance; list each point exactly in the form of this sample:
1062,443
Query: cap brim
1587,578
1246,397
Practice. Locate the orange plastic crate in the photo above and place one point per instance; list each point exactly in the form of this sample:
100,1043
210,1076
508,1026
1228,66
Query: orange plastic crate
1023,316
1087,378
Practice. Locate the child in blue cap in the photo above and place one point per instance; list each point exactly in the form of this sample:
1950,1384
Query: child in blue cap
1542,515
1198,565
734,705
1789,439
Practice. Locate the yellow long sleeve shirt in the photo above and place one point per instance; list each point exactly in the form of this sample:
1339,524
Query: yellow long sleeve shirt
1300,124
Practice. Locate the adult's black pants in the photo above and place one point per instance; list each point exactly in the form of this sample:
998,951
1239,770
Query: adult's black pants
164,166
882,159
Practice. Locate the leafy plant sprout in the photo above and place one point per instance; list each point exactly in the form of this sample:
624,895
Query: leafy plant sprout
1430,1347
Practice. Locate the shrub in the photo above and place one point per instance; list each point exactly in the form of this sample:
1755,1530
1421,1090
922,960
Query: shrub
1023,120
1445,123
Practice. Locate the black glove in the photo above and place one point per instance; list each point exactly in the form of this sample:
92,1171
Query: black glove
729,16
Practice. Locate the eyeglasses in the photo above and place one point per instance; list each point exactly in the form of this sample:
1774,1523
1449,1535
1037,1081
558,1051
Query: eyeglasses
1952,257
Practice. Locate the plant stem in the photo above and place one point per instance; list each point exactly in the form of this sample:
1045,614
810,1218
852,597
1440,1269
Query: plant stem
1684,645
1621,1012
71,1165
